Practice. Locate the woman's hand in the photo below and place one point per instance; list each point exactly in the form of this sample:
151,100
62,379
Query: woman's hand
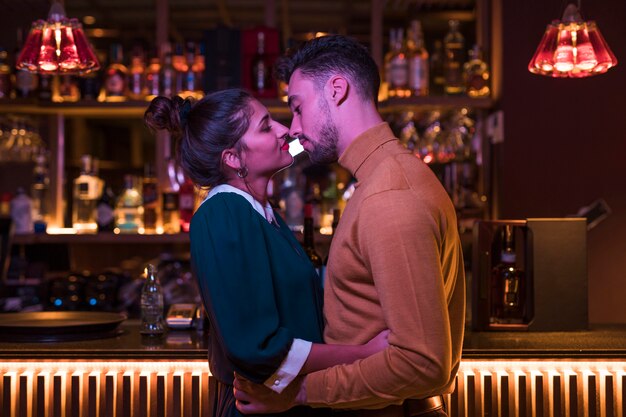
377,343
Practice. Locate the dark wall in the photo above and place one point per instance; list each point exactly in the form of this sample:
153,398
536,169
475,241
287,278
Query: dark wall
565,142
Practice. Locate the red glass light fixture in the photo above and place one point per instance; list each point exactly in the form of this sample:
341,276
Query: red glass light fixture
572,48
57,46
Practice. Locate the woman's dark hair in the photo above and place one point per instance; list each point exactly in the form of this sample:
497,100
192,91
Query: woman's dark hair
203,130
322,57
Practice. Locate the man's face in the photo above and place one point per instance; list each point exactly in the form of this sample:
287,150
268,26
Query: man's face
312,122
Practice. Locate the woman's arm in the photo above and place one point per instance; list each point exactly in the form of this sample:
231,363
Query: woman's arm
324,356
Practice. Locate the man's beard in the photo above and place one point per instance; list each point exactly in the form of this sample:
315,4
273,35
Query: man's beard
325,148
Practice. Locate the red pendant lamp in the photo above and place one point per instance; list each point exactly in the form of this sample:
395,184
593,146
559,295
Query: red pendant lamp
572,48
57,46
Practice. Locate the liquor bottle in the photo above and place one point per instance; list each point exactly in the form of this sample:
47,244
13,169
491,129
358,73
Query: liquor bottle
308,242
476,74
105,211
5,75
260,67
39,190
398,66
129,208
87,191
136,79
65,89
418,60
45,87
508,289
454,45
150,191
153,77
180,67
25,82
438,79
151,304
199,67
167,77
186,202
188,88
22,212
115,86
169,197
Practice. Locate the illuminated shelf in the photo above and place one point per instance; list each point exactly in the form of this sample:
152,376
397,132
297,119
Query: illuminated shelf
133,109
99,238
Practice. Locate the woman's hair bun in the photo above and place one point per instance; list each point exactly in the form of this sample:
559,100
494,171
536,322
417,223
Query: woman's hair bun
164,113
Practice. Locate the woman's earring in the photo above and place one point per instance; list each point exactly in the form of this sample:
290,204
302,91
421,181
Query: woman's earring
242,172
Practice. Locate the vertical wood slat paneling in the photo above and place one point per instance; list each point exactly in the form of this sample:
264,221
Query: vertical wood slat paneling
483,389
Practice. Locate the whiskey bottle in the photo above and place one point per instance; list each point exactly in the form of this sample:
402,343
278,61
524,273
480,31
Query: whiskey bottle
436,68
476,73
115,86
260,67
508,289
87,191
167,77
5,75
398,66
454,45
152,77
418,60
309,240
150,193
136,79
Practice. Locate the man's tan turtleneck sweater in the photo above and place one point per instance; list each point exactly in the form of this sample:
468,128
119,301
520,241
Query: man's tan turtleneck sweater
395,263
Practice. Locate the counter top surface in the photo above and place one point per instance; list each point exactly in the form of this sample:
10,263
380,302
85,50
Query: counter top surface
606,342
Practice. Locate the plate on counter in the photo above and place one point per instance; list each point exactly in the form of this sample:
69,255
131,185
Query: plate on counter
49,326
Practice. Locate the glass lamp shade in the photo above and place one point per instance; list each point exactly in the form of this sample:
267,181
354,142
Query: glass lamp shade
57,46
572,48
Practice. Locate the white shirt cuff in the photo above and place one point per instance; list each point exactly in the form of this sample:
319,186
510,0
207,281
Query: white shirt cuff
291,366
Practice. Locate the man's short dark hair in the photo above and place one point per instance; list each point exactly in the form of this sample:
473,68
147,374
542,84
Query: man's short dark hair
322,57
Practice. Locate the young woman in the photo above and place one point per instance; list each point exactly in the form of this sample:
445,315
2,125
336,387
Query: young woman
261,293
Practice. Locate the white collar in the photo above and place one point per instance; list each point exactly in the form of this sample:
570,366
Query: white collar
266,211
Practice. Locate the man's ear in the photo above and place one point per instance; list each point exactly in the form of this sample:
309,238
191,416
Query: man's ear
231,159
337,89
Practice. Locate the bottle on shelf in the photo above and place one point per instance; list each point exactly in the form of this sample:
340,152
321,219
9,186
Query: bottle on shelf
5,74
129,208
454,47
136,78
476,74
308,242
437,77
115,88
150,192
25,82
418,60
105,211
39,190
180,67
508,290
87,192
22,212
152,304
397,65
198,67
189,81
169,198
167,76
186,204
153,76
65,89
45,88
260,67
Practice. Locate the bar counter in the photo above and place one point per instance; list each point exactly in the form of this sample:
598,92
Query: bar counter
502,373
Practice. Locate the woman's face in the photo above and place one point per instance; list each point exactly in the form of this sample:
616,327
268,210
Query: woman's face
266,141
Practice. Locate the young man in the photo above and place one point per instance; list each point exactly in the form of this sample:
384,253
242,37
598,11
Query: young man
395,261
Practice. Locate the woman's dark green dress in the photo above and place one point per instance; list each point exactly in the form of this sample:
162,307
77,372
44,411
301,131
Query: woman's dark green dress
259,289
